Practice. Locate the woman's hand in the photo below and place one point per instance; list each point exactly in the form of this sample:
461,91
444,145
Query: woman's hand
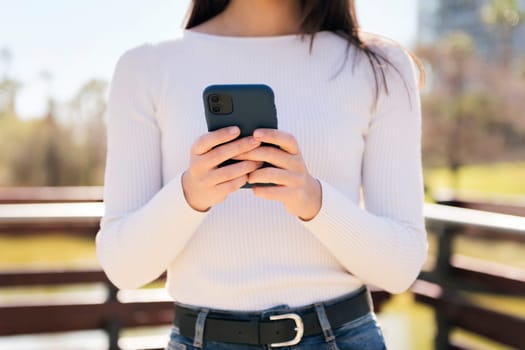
297,189
204,183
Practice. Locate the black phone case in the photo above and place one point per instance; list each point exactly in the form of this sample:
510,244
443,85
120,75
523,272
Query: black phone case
252,107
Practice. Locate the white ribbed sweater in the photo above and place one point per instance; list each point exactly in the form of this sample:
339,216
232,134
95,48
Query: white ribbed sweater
248,253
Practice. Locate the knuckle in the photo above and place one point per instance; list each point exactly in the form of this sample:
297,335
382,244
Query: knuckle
272,152
237,183
245,165
249,142
298,164
198,166
295,180
238,147
196,146
222,175
231,171
195,170
192,171
200,144
225,150
268,171
256,165
299,180
222,153
290,143
251,165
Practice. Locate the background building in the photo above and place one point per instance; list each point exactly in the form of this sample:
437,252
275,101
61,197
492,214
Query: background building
440,17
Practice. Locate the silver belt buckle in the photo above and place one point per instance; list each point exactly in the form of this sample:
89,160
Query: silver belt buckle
299,329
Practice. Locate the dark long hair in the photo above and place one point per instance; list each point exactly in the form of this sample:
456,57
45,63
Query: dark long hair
338,16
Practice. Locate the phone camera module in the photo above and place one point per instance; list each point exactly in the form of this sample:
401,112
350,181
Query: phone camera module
220,103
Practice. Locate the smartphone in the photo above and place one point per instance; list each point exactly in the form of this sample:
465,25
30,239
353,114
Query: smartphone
248,106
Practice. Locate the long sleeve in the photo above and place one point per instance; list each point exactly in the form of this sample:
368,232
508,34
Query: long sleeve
145,224
385,243
250,252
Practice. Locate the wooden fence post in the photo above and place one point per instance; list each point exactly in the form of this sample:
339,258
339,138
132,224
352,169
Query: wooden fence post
113,330
445,234
113,324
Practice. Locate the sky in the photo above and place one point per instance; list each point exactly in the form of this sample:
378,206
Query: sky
75,41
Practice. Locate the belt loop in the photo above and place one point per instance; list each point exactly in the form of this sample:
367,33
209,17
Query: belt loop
325,326
199,328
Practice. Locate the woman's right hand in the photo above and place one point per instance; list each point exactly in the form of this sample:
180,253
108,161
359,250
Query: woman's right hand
204,183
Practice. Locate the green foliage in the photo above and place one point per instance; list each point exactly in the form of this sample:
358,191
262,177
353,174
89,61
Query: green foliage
504,16
49,152
504,13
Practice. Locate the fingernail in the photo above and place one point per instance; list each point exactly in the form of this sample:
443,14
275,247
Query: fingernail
233,130
258,133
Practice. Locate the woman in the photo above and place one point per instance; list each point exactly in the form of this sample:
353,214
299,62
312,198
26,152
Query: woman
274,266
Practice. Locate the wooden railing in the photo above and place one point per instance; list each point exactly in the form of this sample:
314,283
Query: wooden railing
440,288
112,315
63,194
452,274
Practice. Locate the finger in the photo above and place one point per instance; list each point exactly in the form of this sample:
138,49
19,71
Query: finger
274,156
274,175
229,150
233,185
277,193
277,137
234,171
210,140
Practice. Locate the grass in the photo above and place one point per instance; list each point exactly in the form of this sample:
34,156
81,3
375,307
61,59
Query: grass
50,251
488,180
407,324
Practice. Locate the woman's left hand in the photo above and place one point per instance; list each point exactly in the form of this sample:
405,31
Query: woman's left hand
296,188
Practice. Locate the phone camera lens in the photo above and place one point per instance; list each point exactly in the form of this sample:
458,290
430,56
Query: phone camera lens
216,109
214,98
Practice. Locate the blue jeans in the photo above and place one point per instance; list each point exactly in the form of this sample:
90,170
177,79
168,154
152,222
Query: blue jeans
361,333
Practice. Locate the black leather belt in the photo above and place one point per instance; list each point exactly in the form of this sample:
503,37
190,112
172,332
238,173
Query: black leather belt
279,330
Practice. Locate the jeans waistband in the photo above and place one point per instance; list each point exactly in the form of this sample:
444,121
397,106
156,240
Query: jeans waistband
285,325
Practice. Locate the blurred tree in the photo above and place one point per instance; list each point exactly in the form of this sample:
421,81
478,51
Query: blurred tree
52,147
86,107
12,132
505,16
8,87
521,68
45,154
8,93
49,151
86,113
473,111
450,60
5,58
65,147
